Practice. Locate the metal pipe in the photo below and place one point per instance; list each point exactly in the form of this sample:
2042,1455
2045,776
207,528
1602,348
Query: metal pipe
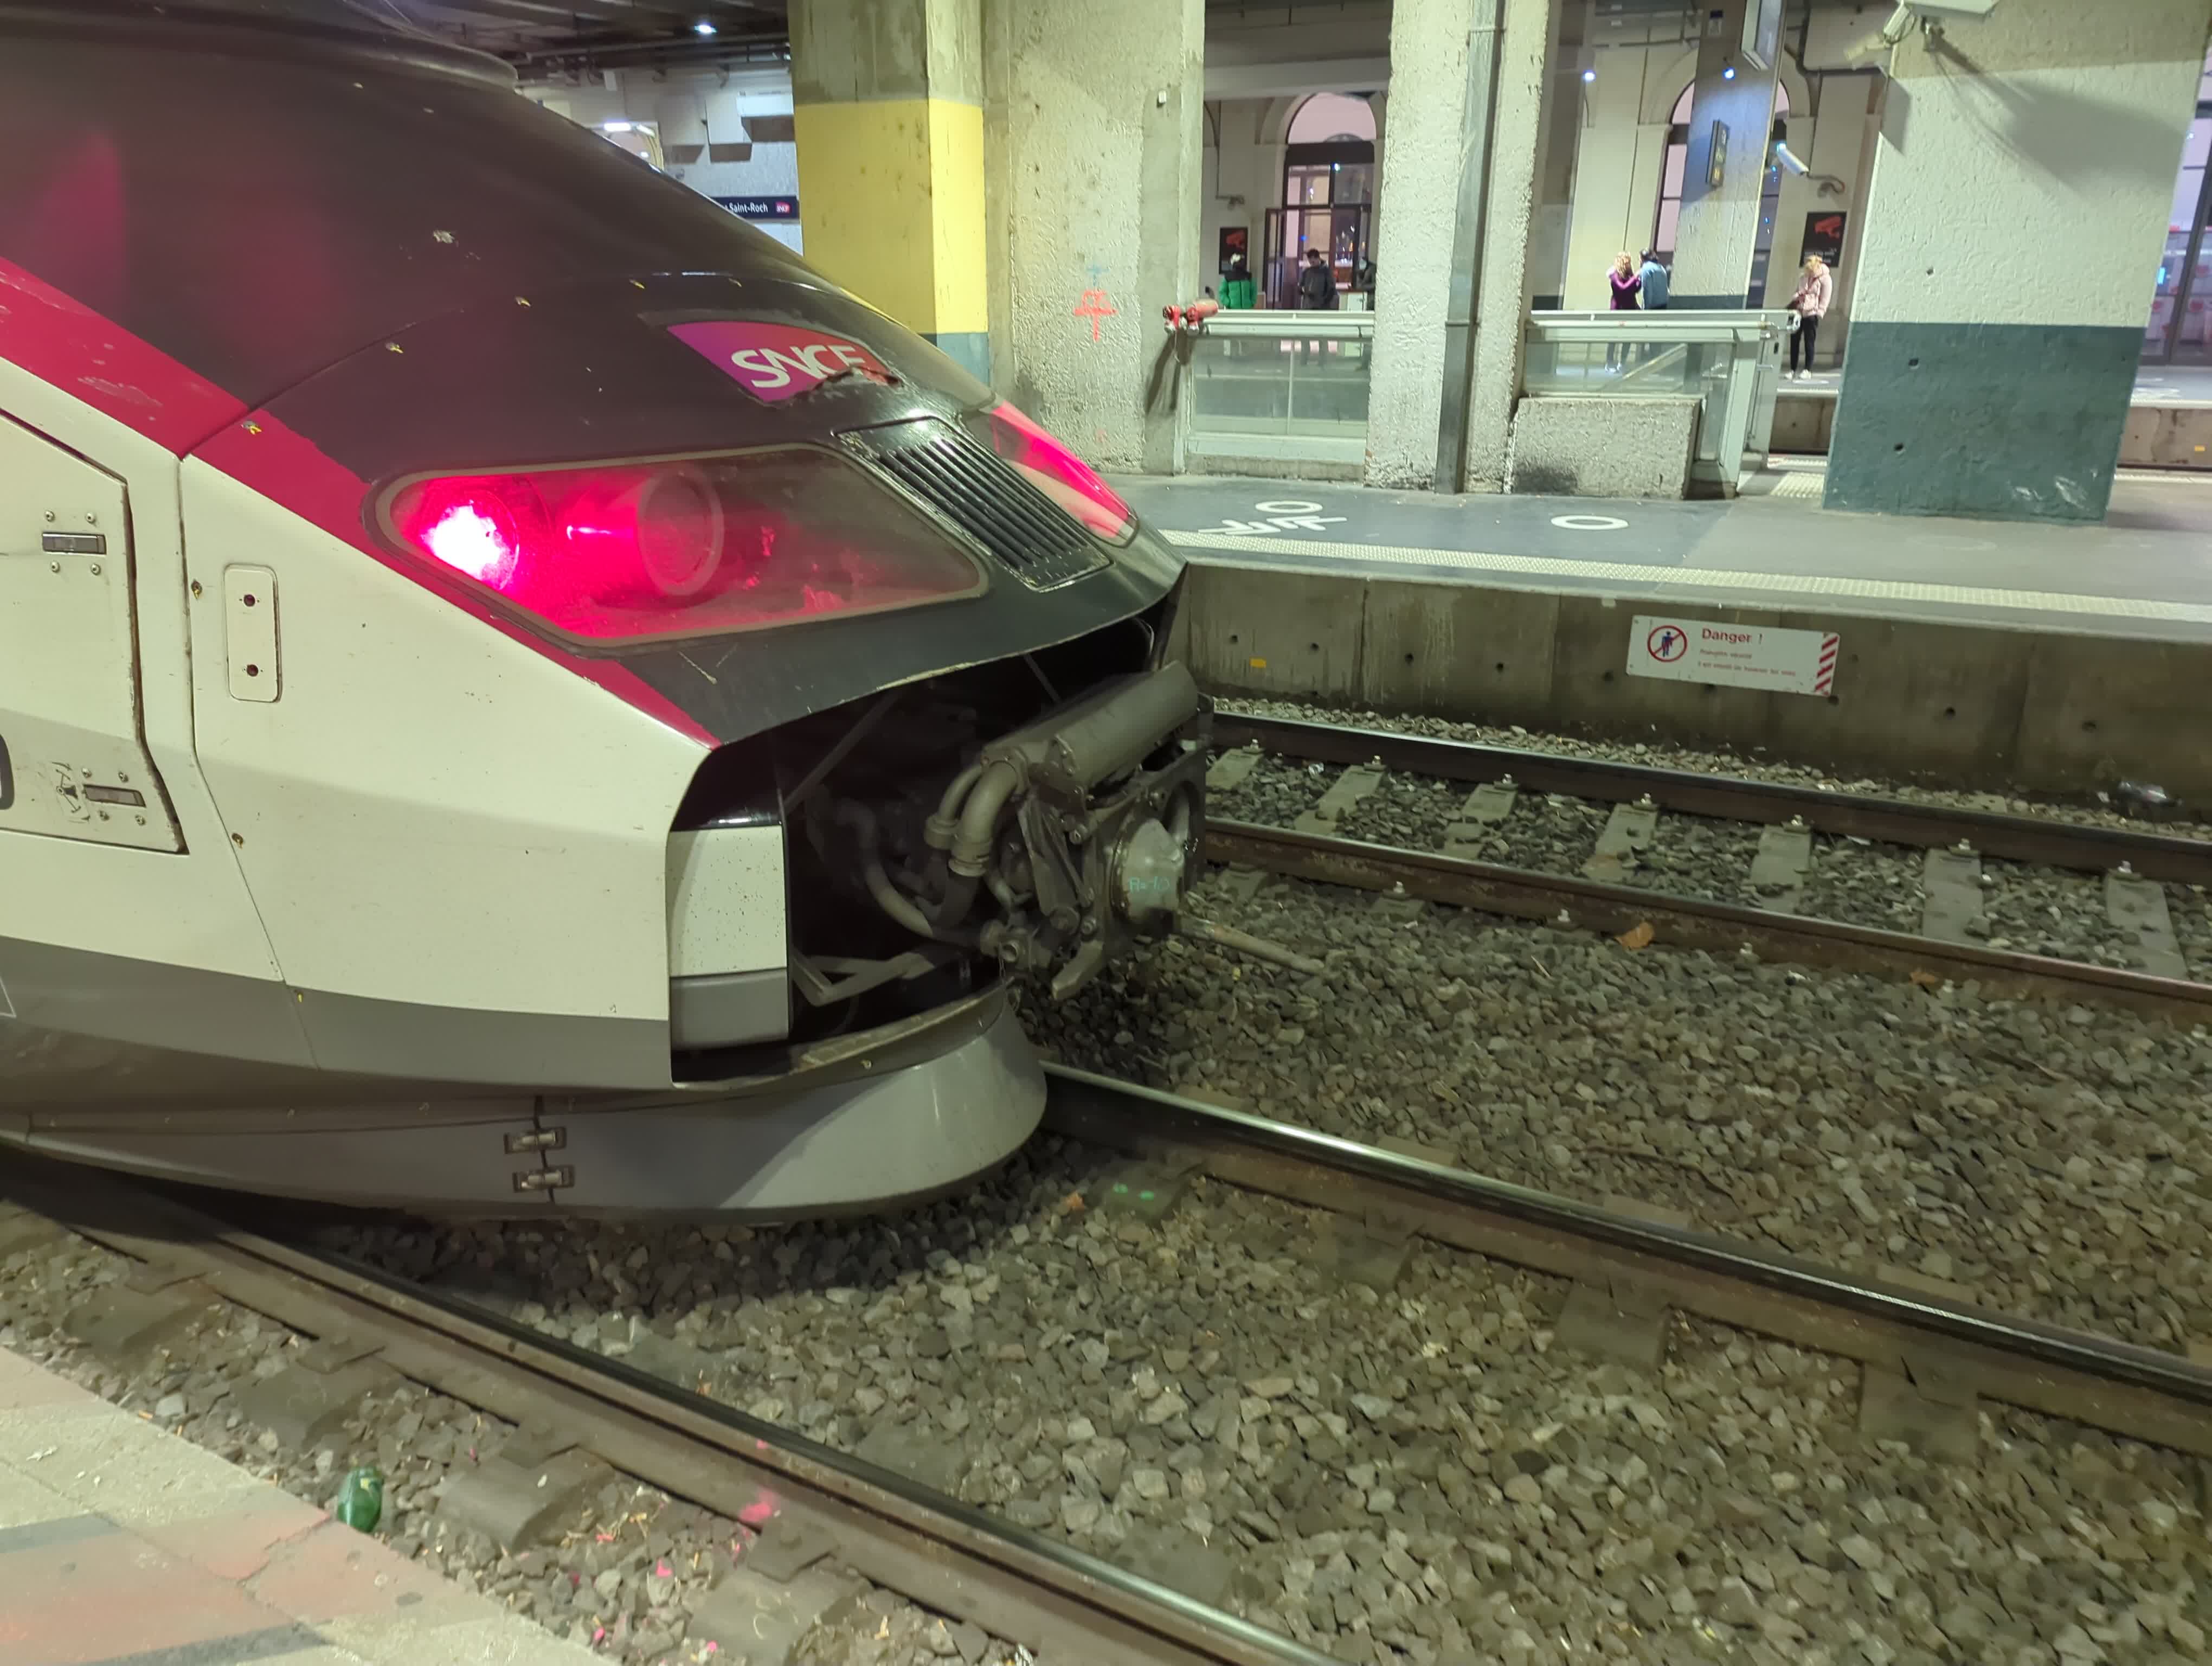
979,819
1479,123
937,834
972,838
889,897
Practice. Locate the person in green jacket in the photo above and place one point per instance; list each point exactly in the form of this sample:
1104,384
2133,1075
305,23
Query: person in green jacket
1238,292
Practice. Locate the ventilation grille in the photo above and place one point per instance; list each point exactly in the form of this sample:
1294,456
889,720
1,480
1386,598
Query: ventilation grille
967,482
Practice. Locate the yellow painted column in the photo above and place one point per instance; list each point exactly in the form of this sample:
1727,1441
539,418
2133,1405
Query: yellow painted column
888,113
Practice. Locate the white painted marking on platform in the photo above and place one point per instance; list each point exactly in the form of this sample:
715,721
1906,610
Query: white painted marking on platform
1743,656
1282,514
1634,577
1590,523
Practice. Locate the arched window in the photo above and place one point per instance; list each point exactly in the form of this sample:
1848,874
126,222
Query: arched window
1333,118
1669,216
1328,193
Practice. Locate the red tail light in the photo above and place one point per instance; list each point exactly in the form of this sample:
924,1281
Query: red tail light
631,552
1058,472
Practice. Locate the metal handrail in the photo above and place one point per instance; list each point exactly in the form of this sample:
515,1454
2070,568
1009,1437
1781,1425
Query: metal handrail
1736,411
1312,327
1652,368
1684,327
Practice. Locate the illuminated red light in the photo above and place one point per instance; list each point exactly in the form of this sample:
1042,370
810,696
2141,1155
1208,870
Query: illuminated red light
1058,473
631,552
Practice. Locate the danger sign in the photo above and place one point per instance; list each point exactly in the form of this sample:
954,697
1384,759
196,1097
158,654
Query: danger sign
776,362
1747,656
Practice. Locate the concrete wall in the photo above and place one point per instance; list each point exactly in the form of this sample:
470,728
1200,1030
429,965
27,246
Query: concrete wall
2167,437
1093,112
1552,217
1962,704
2157,436
1243,157
1620,152
1245,141
2046,140
1836,140
706,109
1621,146
1565,446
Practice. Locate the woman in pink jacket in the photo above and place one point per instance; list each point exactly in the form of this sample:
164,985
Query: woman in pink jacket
1810,303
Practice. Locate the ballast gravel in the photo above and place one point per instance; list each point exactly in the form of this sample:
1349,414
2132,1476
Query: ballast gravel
2057,1161
2033,911
1410,1473
2108,808
622,1577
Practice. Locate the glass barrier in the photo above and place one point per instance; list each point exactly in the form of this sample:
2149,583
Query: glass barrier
1282,384
1730,362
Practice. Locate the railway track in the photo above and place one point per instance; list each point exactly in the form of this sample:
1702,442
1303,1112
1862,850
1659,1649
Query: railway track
1929,1361
1846,815
903,1535
1948,1352
1952,944
1929,1347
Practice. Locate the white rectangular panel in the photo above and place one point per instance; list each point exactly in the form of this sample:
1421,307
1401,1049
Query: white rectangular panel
249,622
726,901
69,683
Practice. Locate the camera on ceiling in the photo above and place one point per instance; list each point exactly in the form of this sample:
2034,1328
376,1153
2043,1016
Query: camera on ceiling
1933,14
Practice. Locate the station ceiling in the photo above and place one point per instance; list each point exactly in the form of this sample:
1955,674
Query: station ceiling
602,31
582,34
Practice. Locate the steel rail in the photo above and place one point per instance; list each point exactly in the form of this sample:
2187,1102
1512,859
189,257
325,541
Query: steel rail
943,1554
1732,797
1693,922
2119,1387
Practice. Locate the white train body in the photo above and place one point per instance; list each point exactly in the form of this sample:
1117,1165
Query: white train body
496,744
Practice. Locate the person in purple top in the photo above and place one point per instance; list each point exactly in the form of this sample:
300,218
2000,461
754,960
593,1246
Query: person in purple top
1625,285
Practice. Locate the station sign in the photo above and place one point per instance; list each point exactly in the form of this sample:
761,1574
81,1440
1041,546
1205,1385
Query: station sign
762,208
1742,656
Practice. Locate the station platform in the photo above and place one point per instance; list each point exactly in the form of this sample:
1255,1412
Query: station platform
123,1545
2156,384
2146,571
2169,416
1999,655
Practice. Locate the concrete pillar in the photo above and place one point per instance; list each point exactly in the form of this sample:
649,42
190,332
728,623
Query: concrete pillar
1094,111
2018,213
1551,226
1518,158
1445,143
1731,118
887,106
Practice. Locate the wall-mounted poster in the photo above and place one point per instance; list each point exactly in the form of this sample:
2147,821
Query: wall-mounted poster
1824,235
1234,240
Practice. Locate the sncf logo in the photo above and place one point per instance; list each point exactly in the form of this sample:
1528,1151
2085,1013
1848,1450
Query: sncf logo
774,361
